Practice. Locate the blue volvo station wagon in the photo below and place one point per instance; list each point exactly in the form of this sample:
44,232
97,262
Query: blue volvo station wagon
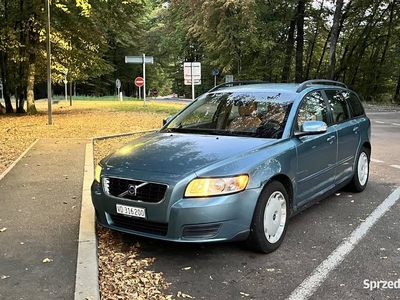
236,164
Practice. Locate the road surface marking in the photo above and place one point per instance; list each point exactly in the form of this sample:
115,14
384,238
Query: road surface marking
377,161
380,122
309,286
395,166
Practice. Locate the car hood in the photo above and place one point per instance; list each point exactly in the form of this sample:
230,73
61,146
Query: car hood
179,154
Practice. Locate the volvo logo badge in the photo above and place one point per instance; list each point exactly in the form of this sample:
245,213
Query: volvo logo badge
132,189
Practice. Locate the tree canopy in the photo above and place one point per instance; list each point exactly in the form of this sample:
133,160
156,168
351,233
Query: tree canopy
354,41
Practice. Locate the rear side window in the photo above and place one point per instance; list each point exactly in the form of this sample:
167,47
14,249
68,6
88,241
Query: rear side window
355,105
338,105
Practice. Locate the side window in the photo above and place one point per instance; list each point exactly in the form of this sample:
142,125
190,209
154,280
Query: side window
355,104
338,105
312,108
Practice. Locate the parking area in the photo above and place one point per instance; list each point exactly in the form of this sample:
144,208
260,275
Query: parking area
344,247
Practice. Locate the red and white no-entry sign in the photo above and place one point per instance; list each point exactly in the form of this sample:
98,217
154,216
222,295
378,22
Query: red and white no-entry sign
139,81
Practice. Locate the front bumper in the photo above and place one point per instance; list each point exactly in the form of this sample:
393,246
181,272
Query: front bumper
223,218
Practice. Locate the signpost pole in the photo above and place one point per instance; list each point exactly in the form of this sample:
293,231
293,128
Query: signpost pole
141,60
191,68
144,79
48,48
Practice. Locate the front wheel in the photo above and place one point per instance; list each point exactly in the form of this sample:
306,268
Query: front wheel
361,171
270,219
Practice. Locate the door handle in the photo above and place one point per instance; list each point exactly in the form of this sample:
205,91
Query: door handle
330,139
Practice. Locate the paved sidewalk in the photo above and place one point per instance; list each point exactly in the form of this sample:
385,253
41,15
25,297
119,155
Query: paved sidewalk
40,210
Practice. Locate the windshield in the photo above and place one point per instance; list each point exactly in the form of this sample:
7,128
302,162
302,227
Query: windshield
258,114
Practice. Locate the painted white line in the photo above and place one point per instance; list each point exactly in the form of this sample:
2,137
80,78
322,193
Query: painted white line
87,282
380,122
395,166
395,124
17,160
308,287
377,161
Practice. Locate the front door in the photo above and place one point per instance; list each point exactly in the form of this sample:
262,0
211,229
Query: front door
316,154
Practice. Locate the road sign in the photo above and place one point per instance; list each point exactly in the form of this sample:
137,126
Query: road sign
215,72
192,74
192,71
118,83
189,82
139,81
228,78
139,59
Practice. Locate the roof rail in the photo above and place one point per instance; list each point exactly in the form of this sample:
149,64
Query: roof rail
308,83
235,83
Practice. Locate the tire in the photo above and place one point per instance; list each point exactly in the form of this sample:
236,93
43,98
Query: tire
270,219
361,171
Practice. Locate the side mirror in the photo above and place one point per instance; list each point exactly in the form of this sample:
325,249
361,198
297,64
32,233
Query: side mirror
167,119
312,127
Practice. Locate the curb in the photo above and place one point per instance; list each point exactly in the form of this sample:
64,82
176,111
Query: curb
87,281
87,269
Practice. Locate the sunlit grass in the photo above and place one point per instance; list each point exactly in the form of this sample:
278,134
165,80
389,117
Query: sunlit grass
114,106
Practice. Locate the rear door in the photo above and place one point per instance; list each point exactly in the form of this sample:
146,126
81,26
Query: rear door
348,132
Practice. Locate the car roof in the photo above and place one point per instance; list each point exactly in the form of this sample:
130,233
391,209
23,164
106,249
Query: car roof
247,86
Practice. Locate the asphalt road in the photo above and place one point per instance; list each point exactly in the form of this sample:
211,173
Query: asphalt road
341,248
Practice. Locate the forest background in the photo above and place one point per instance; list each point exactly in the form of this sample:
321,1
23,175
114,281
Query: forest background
353,41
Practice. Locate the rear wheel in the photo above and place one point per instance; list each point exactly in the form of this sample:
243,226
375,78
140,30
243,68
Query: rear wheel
268,227
361,171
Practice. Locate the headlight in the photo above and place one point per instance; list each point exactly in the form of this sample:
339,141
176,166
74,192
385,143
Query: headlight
203,187
97,173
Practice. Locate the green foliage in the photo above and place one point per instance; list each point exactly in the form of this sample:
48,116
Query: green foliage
247,39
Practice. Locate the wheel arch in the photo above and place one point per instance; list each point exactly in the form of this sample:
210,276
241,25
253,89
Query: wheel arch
287,183
367,145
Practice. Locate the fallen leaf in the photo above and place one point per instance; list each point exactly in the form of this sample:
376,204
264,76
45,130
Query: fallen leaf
4,277
244,294
186,268
271,270
3,229
182,295
47,260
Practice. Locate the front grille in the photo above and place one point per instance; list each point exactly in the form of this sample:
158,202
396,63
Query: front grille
140,225
144,191
201,231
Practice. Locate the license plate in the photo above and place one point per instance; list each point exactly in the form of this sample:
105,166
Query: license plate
132,211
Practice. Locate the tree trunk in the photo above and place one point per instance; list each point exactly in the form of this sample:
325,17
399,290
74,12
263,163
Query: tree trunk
378,73
4,76
396,96
300,40
334,39
311,53
289,51
30,99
